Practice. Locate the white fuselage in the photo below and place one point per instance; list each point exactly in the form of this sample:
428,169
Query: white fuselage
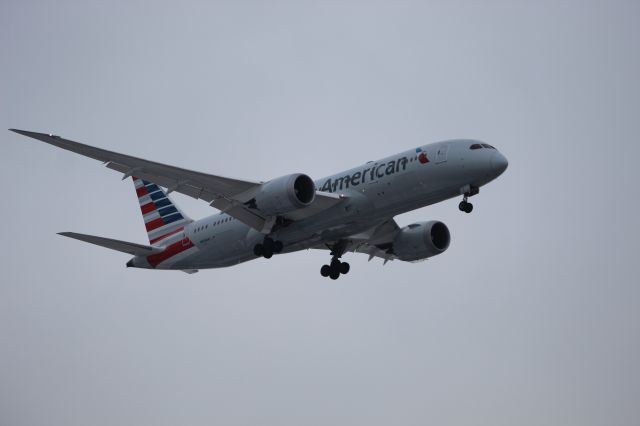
375,192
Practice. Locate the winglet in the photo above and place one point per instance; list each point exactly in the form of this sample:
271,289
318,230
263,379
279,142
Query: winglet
32,134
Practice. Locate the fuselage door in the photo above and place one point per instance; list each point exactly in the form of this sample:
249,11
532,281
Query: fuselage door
441,153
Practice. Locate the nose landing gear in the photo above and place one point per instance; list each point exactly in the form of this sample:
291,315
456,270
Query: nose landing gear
467,191
267,248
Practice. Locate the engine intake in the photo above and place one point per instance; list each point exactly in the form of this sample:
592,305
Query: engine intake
285,194
421,240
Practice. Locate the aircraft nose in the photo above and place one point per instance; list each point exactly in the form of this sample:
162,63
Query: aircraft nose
499,163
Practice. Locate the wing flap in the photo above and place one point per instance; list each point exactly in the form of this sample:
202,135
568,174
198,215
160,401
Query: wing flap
245,215
374,241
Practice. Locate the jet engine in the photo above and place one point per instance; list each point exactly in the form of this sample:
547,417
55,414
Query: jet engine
421,240
285,194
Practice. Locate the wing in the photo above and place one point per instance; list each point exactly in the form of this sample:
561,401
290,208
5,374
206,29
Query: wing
223,193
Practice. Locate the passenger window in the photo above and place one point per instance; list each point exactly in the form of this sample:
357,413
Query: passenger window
475,146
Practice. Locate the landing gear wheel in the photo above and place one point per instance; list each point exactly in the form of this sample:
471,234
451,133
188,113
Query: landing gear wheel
325,270
267,248
268,245
467,191
335,268
465,206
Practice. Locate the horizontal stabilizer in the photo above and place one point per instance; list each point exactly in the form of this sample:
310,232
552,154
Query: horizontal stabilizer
123,246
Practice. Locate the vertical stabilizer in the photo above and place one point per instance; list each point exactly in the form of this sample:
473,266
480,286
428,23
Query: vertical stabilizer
161,216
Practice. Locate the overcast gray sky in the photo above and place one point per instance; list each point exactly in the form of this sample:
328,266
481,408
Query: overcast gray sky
532,317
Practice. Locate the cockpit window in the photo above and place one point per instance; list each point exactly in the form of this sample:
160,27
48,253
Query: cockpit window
481,145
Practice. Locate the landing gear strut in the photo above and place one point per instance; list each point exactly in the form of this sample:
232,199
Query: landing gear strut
467,191
267,248
336,267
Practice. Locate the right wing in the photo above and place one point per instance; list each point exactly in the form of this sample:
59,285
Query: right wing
226,194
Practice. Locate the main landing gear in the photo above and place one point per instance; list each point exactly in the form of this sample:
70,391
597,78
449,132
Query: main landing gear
268,248
467,191
336,267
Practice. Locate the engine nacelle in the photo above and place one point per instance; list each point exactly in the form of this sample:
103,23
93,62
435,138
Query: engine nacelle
421,240
285,194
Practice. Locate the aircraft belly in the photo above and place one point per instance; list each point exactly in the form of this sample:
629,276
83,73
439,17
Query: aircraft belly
221,249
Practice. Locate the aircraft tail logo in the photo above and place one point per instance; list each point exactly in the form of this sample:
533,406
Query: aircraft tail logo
162,218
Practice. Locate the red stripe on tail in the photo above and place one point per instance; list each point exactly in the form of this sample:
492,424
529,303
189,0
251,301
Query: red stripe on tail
156,223
148,208
142,191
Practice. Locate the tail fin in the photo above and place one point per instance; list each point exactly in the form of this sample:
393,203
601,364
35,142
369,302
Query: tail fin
161,217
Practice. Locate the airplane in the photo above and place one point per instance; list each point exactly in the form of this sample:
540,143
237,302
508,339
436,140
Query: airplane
351,211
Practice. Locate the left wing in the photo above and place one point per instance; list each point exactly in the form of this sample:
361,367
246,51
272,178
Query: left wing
223,193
